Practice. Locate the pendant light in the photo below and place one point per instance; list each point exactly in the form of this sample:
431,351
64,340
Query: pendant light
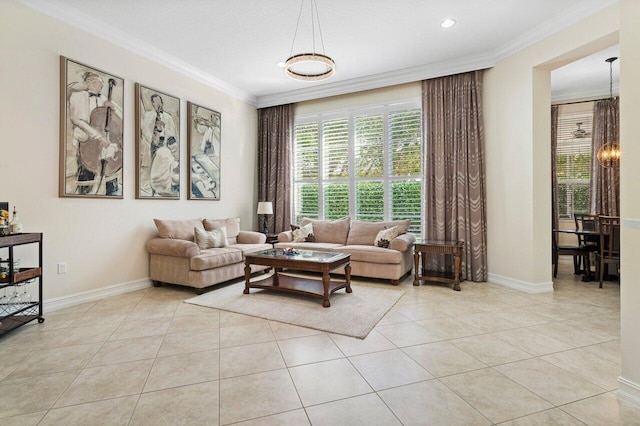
312,66
609,154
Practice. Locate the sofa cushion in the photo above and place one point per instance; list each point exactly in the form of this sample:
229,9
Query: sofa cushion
364,233
178,229
232,224
329,231
371,254
304,234
215,258
309,246
250,248
384,237
211,239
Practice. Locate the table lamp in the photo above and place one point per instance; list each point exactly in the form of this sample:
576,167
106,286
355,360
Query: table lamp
265,208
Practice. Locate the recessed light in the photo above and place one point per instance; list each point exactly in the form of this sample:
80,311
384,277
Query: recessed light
447,23
280,64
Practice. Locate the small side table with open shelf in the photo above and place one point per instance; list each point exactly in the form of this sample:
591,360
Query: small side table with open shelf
14,315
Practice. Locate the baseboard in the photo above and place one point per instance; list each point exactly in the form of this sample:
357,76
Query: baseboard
521,285
91,295
629,392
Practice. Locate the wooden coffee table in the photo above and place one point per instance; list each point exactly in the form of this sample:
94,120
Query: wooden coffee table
303,260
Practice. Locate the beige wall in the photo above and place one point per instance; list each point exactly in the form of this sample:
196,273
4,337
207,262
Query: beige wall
630,201
102,241
516,100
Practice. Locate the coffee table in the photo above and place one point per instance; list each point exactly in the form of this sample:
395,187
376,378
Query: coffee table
303,260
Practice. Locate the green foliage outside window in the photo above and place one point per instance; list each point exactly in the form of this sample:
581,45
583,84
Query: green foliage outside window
370,201
336,201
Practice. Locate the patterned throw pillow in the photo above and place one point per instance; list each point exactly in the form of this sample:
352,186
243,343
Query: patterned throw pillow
294,227
211,239
384,237
304,233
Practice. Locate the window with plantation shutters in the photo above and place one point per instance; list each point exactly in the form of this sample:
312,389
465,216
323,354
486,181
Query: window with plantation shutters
573,163
359,163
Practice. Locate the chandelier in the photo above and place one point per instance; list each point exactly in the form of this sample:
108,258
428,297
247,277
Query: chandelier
312,66
609,154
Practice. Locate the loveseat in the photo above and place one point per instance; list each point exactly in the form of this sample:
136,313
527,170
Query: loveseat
181,253
389,259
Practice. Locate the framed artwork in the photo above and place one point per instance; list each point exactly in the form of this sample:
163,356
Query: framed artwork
157,144
203,133
91,123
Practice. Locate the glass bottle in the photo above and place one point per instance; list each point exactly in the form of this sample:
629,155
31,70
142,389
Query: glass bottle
16,225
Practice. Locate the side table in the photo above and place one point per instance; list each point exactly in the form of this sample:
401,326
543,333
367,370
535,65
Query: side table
272,239
422,247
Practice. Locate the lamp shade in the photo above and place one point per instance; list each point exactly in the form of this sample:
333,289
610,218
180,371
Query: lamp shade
265,207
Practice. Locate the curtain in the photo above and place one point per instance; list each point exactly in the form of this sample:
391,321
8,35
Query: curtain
275,132
454,169
604,196
554,168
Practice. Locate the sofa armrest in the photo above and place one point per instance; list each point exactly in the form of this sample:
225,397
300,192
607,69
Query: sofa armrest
285,237
172,247
251,237
403,242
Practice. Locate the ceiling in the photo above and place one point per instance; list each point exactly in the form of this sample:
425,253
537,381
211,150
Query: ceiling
235,45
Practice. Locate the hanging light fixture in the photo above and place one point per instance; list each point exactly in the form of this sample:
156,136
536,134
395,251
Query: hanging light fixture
312,66
609,154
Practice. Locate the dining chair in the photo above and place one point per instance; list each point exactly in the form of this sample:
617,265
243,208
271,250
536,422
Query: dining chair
609,244
587,222
576,251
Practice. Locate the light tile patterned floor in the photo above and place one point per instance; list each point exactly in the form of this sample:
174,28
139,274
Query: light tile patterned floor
485,355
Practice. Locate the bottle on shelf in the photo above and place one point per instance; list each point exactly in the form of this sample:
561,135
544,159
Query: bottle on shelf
16,225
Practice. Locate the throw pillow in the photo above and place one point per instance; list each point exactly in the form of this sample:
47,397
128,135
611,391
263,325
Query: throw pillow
211,239
384,237
304,233
294,227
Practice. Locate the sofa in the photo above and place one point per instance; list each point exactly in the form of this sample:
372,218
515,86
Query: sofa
180,253
358,238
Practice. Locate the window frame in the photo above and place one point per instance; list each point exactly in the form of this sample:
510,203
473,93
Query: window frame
353,179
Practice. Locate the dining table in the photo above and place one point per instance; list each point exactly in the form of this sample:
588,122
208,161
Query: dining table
580,233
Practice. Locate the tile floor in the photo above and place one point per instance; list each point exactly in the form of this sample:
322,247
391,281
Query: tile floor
485,355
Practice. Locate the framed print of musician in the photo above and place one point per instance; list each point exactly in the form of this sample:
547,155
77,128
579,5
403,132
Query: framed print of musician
203,133
157,144
91,123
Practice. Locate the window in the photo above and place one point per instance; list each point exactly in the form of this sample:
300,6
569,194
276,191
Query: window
573,161
362,163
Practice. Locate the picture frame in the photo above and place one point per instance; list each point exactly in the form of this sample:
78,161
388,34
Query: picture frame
204,132
157,144
91,132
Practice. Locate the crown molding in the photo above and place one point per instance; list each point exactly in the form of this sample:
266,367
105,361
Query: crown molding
581,94
376,81
60,11
550,27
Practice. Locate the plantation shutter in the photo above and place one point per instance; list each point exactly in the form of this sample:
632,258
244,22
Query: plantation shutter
404,160
369,152
305,168
573,159
335,156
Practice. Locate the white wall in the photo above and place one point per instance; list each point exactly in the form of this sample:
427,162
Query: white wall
102,241
517,110
629,199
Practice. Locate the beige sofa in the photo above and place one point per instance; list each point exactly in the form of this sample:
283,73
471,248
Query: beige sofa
357,238
175,258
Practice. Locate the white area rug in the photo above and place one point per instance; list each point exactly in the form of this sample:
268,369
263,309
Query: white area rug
351,314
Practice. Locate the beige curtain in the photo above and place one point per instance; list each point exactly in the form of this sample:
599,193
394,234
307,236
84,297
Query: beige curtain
554,168
605,183
454,169
275,132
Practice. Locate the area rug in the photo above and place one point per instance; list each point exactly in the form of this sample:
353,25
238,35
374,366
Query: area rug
351,314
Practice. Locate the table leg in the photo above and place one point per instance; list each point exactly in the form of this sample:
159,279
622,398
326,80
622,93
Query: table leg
325,283
247,277
456,271
347,277
416,257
